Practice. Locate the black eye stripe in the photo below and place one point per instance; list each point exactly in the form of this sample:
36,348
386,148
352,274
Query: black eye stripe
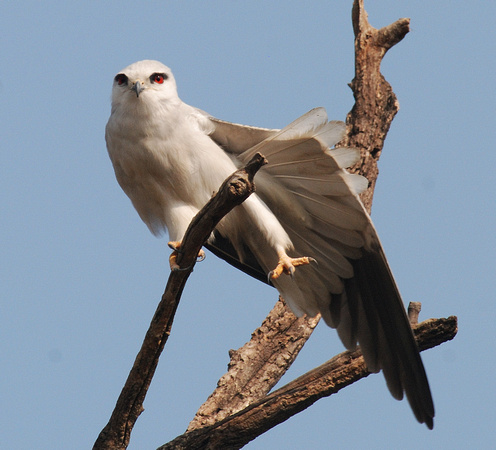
121,79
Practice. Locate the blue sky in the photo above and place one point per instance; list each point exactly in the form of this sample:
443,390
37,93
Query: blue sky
81,275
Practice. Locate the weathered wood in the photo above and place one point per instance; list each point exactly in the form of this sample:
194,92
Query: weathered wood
367,126
344,369
376,104
255,368
129,406
413,312
239,410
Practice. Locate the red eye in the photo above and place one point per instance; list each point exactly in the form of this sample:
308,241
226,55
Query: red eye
158,78
120,79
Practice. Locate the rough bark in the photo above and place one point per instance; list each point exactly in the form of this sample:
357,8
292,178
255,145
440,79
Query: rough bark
367,126
255,368
240,409
344,369
233,192
375,102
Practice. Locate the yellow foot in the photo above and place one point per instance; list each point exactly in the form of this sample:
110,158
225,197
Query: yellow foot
287,265
175,246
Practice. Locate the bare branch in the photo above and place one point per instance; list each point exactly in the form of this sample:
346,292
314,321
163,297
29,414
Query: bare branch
342,370
256,367
413,312
375,103
368,123
240,409
129,406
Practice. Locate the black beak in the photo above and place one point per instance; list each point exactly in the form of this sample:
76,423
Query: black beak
138,88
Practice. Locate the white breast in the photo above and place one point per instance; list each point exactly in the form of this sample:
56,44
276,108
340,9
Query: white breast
167,165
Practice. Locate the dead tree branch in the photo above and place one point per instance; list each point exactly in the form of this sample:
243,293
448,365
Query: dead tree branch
255,368
250,374
344,369
129,406
375,102
240,409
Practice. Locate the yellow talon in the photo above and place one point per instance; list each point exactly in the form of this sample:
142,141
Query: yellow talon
175,246
287,265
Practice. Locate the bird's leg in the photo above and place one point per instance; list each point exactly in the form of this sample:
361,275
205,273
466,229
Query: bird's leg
287,264
176,247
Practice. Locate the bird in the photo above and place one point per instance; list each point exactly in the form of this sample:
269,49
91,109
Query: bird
170,157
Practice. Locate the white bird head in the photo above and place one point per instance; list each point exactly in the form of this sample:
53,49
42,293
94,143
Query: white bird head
144,81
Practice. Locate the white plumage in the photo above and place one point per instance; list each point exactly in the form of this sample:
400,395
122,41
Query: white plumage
169,158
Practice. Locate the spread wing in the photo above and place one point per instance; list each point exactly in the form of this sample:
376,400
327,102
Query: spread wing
306,186
236,138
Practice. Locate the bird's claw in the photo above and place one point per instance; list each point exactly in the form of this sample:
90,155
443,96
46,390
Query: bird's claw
288,266
176,247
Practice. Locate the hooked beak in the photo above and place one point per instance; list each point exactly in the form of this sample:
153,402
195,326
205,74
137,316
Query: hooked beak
138,88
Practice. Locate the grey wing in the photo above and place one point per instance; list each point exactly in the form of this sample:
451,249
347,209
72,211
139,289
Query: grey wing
306,186
235,138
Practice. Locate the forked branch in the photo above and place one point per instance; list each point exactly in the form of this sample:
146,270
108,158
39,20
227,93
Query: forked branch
367,125
344,369
240,409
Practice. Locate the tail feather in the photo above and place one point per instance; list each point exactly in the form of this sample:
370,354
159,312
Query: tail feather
307,188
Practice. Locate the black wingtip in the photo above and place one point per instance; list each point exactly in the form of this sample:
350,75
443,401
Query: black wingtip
222,248
430,423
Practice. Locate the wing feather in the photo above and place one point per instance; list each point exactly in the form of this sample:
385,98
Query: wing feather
331,210
338,184
306,186
235,138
